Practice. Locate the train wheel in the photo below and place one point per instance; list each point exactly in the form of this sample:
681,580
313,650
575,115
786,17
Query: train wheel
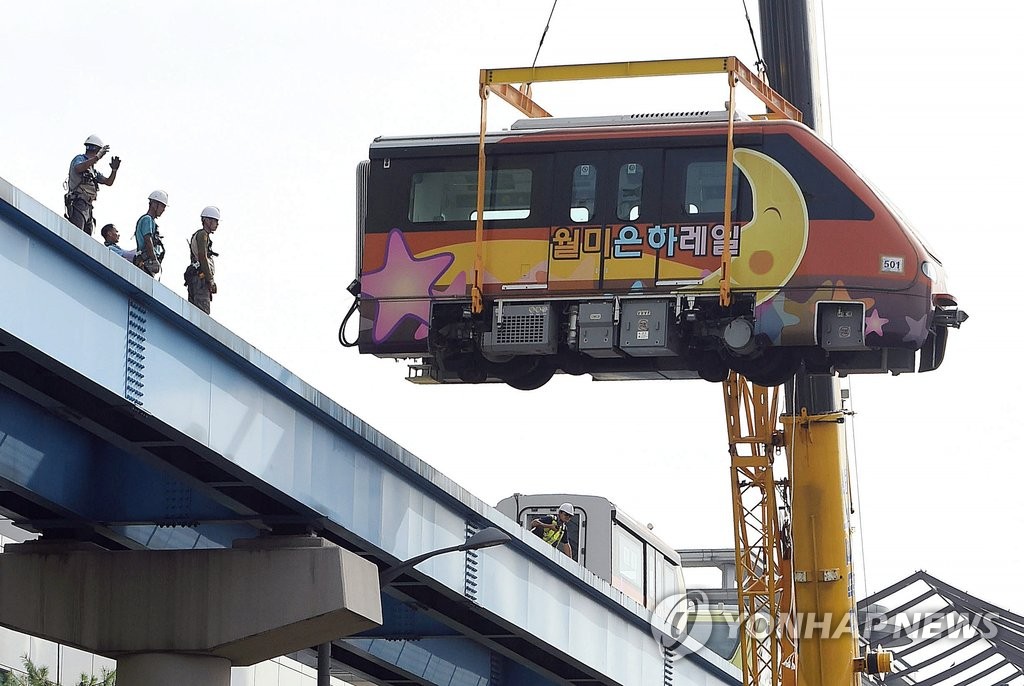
711,367
772,368
532,379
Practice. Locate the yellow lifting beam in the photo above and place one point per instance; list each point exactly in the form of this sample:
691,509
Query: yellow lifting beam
502,82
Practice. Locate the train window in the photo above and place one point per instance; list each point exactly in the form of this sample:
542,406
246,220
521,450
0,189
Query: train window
705,188
667,580
827,196
584,193
631,186
627,563
450,196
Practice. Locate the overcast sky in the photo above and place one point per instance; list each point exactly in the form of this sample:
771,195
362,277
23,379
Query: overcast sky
265,108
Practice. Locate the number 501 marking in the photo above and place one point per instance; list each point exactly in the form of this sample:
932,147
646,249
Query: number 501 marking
893,265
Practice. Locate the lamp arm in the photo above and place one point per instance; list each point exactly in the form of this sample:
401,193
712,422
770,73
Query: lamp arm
391,573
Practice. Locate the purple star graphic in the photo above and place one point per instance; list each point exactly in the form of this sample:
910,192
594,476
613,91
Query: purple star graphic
456,287
917,331
402,286
874,323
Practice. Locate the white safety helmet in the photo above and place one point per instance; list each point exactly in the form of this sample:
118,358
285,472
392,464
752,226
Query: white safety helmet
568,509
210,212
159,196
94,140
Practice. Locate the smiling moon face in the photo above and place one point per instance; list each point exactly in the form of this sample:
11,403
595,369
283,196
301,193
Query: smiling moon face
773,242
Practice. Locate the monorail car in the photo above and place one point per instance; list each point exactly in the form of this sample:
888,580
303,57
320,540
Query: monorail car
602,255
609,543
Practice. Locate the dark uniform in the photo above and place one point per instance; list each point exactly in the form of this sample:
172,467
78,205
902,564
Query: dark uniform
82,190
83,186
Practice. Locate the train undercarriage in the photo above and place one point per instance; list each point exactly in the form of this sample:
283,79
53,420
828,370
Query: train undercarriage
524,343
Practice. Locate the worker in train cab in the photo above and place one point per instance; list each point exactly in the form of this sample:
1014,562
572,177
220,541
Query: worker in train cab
552,529
199,273
84,182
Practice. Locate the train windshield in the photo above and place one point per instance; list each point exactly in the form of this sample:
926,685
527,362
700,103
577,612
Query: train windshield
575,530
724,639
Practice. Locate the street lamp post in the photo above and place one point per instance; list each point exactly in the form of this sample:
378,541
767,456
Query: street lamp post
485,538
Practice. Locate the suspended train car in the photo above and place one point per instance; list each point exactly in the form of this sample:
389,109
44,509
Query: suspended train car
602,251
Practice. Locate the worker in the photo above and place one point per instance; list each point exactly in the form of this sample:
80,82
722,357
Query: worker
199,274
552,529
110,239
84,181
148,243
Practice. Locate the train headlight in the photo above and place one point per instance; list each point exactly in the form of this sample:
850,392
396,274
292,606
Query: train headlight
929,270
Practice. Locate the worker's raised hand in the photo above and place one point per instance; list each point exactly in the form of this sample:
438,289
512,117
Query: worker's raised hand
103,151
115,162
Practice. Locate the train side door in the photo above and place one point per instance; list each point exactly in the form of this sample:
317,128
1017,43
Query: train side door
632,207
577,237
602,204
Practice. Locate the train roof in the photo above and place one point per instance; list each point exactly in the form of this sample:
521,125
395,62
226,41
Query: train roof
538,126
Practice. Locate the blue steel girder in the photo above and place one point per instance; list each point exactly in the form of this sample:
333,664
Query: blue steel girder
453,661
246,436
450,661
109,470
426,636
59,462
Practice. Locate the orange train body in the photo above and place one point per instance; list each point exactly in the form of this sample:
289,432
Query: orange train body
602,254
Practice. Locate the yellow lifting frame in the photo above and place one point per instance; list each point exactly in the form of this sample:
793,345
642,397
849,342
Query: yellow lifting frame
501,83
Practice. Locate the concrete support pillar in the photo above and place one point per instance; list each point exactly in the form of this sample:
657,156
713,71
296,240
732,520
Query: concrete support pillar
165,614
169,669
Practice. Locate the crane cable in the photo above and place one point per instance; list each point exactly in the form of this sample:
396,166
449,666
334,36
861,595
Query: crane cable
761,67
545,33
540,43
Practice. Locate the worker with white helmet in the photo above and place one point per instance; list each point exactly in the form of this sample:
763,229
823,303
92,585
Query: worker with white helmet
552,530
199,273
83,183
148,242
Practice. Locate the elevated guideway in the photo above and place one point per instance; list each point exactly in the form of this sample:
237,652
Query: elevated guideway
131,420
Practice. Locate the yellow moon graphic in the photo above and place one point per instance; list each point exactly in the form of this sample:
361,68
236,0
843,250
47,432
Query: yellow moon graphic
773,242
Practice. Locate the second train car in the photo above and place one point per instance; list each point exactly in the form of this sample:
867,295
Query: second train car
611,544
602,254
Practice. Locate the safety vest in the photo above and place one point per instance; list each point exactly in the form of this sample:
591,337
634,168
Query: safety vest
83,184
158,243
553,537
193,246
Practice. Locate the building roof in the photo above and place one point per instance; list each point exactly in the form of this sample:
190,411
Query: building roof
942,636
